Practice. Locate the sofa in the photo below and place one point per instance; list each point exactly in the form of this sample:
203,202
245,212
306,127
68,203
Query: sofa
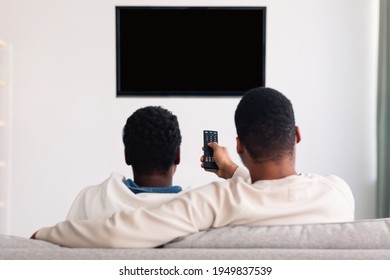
362,239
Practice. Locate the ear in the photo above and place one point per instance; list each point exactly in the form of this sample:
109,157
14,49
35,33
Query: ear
239,146
297,134
177,158
127,159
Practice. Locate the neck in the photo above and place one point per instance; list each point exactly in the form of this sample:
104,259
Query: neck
272,170
155,179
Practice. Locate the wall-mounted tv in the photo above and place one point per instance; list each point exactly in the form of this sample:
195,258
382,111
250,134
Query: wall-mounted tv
189,51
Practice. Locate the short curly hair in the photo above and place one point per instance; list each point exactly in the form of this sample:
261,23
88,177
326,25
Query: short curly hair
152,138
265,124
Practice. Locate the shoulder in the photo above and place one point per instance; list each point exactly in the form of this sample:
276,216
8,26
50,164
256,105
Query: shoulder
113,181
336,180
341,185
93,197
336,183
243,173
327,179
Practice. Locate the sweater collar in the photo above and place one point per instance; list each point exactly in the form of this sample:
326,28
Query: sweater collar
139,189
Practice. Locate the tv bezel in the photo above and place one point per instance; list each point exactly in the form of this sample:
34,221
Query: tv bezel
184,93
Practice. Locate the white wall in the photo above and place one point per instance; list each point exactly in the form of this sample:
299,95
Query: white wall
67,121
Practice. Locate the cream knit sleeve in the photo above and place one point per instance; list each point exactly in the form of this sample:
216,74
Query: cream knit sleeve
193,211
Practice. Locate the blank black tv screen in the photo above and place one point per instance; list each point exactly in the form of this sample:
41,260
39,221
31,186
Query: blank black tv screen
189,51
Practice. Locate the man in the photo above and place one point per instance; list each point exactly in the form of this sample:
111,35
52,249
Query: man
273,193
152,141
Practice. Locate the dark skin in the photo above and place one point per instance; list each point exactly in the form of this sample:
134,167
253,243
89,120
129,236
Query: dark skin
156,178
259,170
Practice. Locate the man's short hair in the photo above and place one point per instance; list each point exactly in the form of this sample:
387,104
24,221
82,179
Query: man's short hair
265,124
152,138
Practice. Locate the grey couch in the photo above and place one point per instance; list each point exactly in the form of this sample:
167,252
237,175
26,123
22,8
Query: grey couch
364,239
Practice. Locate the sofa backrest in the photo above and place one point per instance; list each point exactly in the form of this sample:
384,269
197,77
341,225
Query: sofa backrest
362,234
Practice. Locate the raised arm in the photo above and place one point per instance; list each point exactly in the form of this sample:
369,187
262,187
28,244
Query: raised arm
227,167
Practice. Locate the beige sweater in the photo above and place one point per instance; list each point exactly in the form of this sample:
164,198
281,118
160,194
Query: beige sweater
112,195
298,199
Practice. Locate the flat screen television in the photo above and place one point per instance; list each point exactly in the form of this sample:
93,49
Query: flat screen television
189,51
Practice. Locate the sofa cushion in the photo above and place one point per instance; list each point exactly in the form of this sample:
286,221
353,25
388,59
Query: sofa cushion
362,234
16,242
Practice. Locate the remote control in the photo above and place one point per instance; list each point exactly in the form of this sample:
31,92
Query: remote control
209,136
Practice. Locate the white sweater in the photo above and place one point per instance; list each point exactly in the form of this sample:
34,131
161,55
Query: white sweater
297,199
112,195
